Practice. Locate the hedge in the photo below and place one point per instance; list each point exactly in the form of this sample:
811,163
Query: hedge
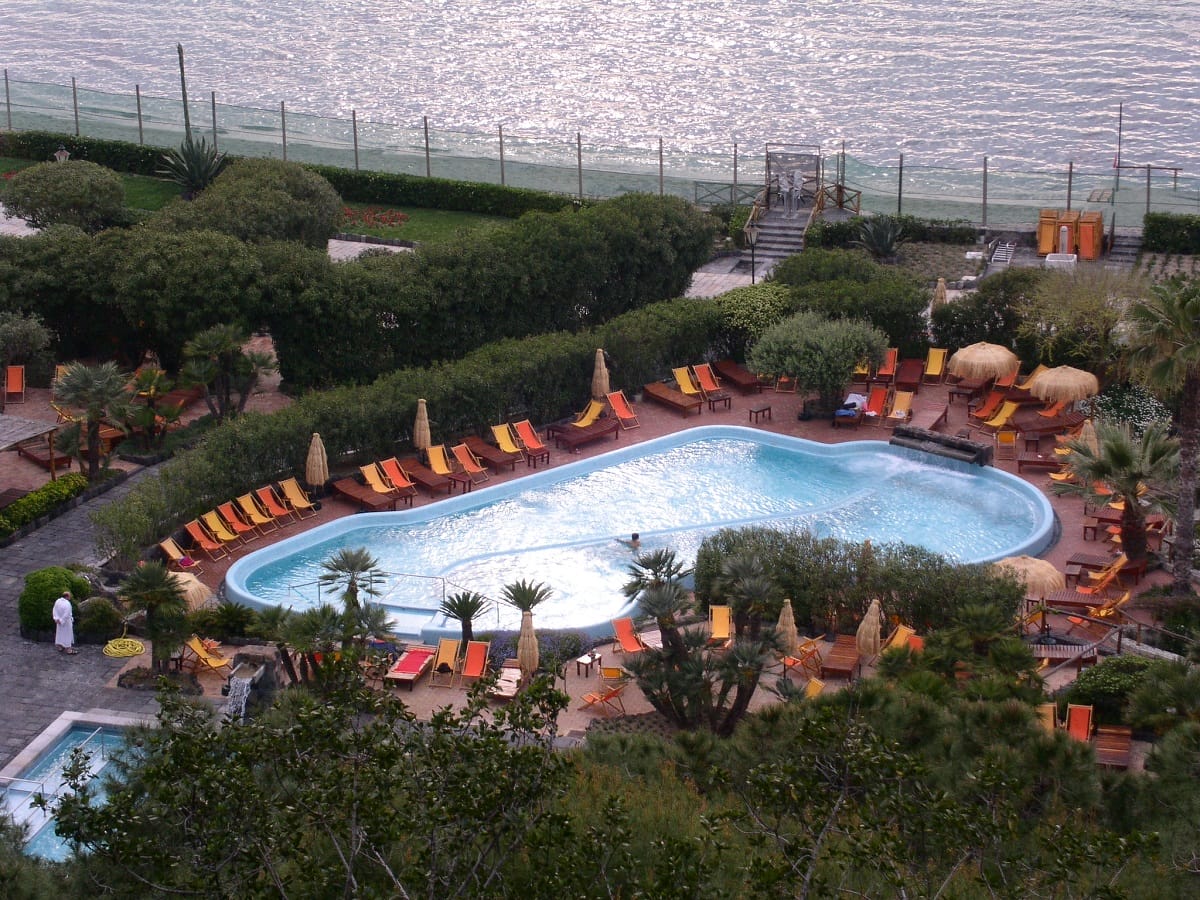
138,159
42,588
1171,233
41,502
543,378
843,234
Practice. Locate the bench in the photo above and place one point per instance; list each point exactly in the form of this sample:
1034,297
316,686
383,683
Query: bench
682,403
1039,461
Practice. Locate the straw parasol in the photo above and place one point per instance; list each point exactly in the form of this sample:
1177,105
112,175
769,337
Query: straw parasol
789,637
1087,437
600,386
939,294
316,467
868,638
1039,577
983,360
527,646
195,591
1064,383
421,439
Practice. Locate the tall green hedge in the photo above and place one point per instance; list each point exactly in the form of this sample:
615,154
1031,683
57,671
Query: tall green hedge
1171,233
543,378
844,234
137,159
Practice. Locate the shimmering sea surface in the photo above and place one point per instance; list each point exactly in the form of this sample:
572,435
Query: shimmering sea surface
944,82
562,528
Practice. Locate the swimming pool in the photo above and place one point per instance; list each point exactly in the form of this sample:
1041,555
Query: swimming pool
561,526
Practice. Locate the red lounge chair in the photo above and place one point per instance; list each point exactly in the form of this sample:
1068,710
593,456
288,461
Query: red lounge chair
1079,722
239,526
622,409
876,403
887,369
529,439
202,540
275,506
412,664
398,477
256,515
471,464
475,661
988,408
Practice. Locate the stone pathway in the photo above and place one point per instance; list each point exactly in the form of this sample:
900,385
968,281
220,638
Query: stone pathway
36,682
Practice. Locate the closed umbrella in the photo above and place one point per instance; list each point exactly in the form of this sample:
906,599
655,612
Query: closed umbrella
1064,383
1039,576
983,360
1087,437
789,637
316,467
195,591
600,386
868,637
421,439
939,294
527,646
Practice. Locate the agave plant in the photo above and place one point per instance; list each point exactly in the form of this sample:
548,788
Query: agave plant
194,166
881,236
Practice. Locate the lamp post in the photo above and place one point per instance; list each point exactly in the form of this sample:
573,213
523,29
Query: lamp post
751,233
62,154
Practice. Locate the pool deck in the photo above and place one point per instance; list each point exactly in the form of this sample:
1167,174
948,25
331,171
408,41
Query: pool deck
39,684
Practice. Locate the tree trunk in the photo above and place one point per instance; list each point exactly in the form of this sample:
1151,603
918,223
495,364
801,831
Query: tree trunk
285,657
93,449
1185,513
1133,531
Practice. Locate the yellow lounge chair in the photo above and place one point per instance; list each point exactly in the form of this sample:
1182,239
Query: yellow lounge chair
177,558
898,638
901,410
439,462
861,373
398,478
622,409
935,365
589,416
219,530
377,481
506,440
256,515
275,506
445,664
1001,419
297,498
813,688
471,464
1033,376
720,625
683,378
199,658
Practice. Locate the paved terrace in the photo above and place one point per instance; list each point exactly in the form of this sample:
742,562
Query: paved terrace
39,683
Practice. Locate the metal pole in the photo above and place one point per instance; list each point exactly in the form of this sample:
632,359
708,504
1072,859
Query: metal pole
660,168
500,128
1117,161
1070,181
137,91
734,198
1147,188
187,115
213,98
8,108
900,188
75,103
283,128
428,166
354,131
579,161
985,176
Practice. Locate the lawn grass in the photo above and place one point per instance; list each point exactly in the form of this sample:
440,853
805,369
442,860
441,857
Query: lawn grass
931,261
426,225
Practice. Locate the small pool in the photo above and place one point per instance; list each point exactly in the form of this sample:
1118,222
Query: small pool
39,770
561,526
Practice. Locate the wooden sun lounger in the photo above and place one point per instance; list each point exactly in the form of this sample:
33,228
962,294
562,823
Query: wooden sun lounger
673,399
739,376
572,437
426,477
910,374
931,418
493,457
1113,746
412,664
38,453
368,499
842,660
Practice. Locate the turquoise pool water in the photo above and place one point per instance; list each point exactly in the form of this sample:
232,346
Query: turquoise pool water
44,776
561,526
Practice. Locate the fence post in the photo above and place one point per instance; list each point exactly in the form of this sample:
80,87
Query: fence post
428,168
137,92
1147,187
1070,181
283,128
354,131
213,97
500,129
579,161
7,101
734,199
660,168
985,176
75,103
899,188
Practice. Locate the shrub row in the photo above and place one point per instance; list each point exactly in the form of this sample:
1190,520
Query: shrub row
41,502
137,159
1171,233
938,231
543,378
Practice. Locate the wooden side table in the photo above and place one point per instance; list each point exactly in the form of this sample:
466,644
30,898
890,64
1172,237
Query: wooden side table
759,410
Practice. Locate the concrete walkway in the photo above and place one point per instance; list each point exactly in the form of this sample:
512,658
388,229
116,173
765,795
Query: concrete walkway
37,683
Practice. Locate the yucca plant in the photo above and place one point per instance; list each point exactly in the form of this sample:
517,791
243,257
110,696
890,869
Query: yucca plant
881,236
194,166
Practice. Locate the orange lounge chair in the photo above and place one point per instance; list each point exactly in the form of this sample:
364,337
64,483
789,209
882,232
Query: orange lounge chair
813,689
529,439
630,641
1008,380
275,507
177,559
1029,379
14,384
398,478
608,699
887,369
1079,722
622,410
253,513
876,403
901,410
807,659
297,498
720,626
202,540
239,526
216,527
710,384
475,661
1054,410
470,463
988,408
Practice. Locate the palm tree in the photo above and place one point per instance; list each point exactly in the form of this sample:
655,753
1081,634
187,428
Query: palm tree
272,625
465,606
153,589
1136,470
217,362
100,392
356,569
748,588
654,568
1164,341
315,635
525,595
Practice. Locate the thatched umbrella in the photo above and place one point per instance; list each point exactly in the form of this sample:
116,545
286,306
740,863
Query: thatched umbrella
983,360
1039,576
421,439
195,591
527,646
600,387
789,637
1087,437
1065,383
939,294
868,638
316,466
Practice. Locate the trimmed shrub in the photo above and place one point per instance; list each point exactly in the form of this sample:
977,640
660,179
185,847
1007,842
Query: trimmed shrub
75,192
1171,233
36,602
121,156
1108,686
99,621
41,502
832,235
